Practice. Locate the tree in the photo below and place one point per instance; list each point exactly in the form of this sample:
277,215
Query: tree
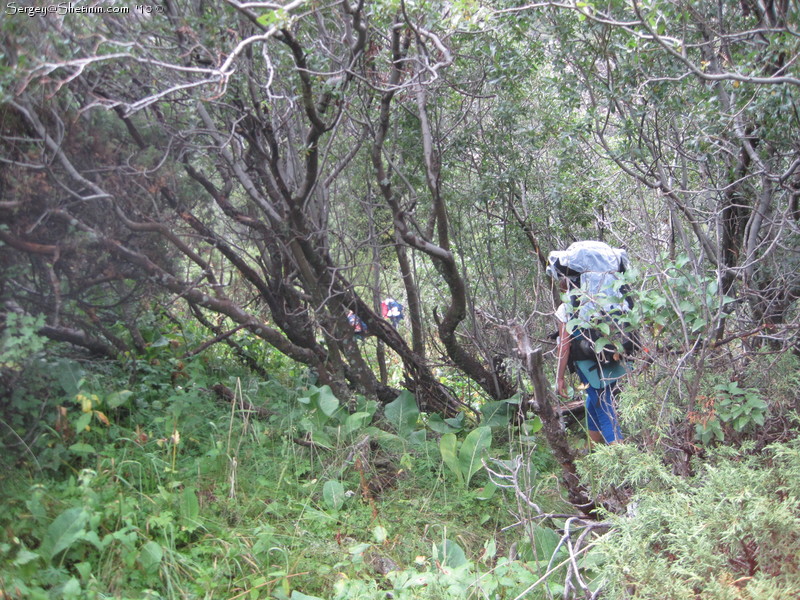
698,102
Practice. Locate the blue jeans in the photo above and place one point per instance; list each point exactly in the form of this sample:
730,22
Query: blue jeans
600,413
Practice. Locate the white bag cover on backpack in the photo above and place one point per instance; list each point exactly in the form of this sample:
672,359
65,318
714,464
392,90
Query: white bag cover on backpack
598,264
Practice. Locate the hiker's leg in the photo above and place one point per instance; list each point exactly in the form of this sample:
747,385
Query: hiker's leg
593,423
607,415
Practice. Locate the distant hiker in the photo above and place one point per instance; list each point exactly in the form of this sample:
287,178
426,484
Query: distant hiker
391,309
588,272
359,327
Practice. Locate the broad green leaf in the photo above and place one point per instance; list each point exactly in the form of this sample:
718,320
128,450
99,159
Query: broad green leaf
545,542
601,343
451,554
65,530
457,421
448,447
379,534
333,494
402,413
416,439
326,400
355,422
469,456
24,556
489,550
83,421
496,414
69,376
532,425
82,449
321,438
439,425
160,342
117,399
486,492
150,557
190,507
71,589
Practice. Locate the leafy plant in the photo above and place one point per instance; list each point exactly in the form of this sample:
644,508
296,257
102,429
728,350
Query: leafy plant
20,340
739,408
464,459
325,419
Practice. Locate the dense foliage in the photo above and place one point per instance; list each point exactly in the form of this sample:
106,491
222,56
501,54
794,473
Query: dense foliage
194,196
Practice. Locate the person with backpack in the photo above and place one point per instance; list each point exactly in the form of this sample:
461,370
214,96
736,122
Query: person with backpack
588,272
392,310
359,327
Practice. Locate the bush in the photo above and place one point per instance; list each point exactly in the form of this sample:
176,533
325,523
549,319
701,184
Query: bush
729,532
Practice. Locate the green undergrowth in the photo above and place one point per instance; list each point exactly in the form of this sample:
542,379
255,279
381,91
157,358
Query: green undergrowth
138,482
730,530
141,479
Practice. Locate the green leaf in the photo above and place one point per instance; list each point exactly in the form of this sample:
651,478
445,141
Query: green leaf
402,413
601,343
456,422
448,447
82,449
545,542
326,400
355,422
150,557
333,494
190,507
24,556
65,530
451,554
469,456
69,376
489,550
439,425
496,414
532,425
321,438
71,589
301,596
117,399
379,534
83,421
486,492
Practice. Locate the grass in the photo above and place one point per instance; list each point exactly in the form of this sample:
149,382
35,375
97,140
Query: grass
179,496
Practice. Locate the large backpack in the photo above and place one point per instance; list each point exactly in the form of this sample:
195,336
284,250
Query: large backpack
395,310
598,301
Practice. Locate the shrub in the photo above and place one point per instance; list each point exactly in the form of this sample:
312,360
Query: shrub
730,531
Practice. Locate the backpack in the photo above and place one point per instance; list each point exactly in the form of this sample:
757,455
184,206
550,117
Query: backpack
598,302
356,323
395,309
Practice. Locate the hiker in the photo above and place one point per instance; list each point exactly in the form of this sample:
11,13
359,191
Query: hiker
391,309
359,327
588,269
